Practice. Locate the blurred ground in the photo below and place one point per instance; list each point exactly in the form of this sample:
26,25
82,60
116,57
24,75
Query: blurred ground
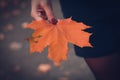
16,63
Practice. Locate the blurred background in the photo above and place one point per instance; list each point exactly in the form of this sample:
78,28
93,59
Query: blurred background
16,62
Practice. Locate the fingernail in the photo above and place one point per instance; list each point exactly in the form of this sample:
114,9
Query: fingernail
53,21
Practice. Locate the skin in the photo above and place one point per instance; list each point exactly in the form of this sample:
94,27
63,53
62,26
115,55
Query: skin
103,68
42,9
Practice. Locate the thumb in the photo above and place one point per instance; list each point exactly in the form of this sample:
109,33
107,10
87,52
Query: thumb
50,15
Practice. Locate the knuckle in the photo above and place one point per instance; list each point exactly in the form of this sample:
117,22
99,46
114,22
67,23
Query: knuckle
32,14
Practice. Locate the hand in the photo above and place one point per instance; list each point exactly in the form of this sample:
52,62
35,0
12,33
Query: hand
42,9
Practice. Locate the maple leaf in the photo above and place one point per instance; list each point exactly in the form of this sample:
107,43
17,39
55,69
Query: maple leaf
56,37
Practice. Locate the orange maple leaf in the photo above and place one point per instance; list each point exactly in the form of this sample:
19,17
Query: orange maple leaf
56,37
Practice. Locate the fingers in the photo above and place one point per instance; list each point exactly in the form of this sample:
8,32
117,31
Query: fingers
45,16
34,13
47,6
50,15
43,10
42,13
36,16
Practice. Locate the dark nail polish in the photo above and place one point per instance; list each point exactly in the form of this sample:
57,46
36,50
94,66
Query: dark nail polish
53,21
